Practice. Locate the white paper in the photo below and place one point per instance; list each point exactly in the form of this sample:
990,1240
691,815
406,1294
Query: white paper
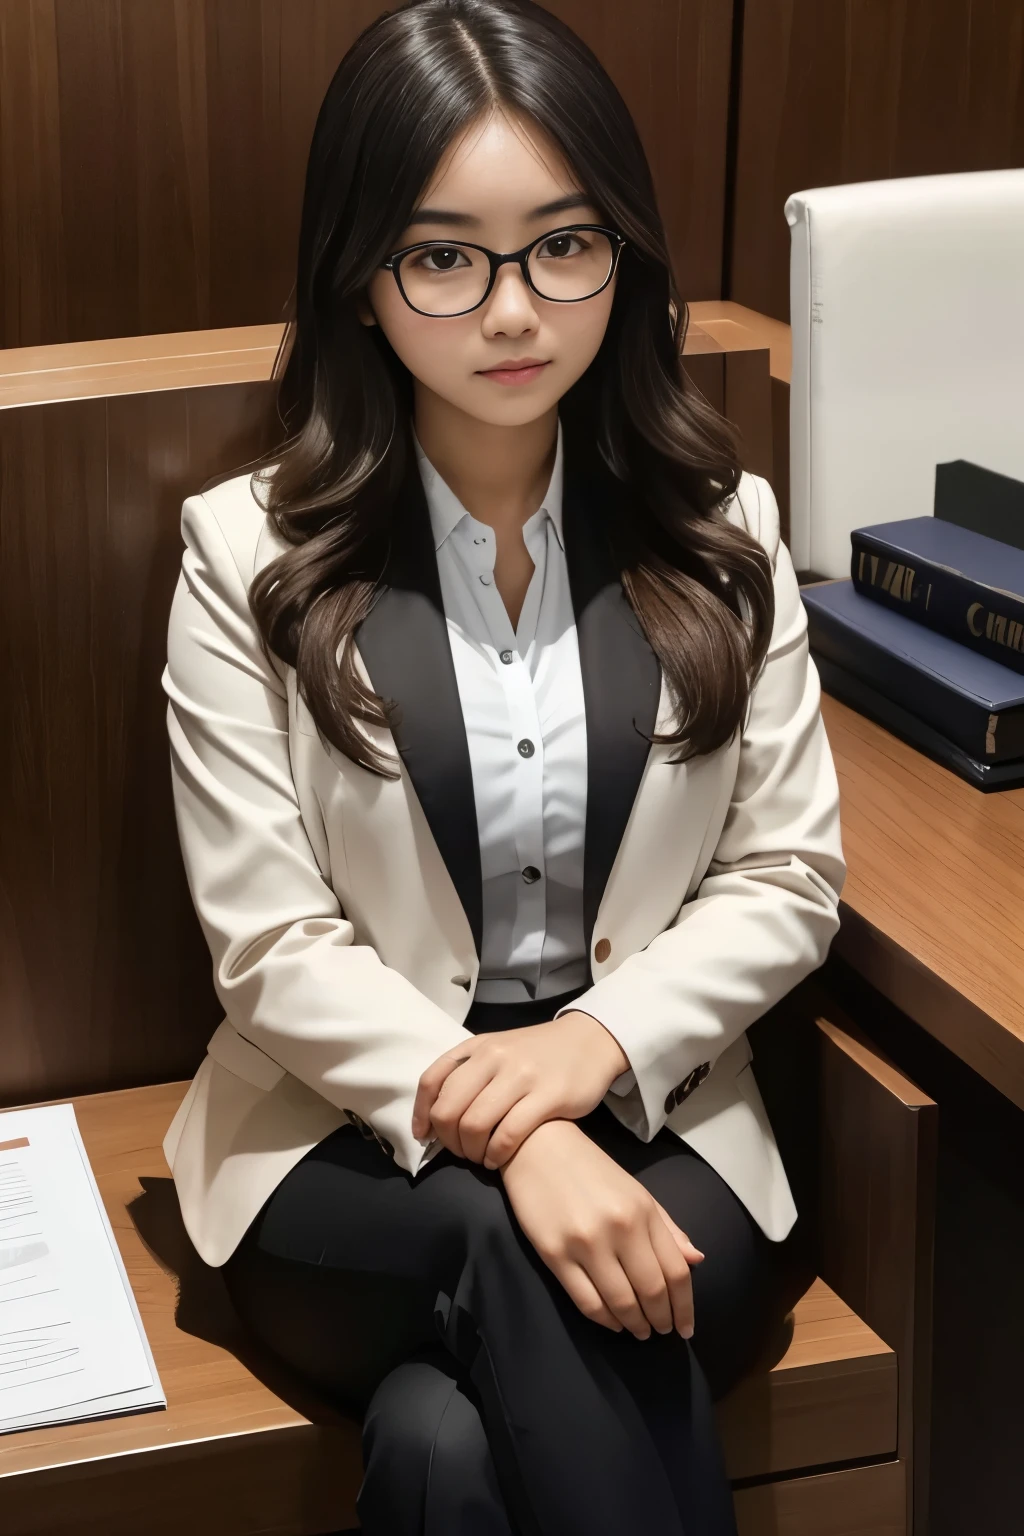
72,1344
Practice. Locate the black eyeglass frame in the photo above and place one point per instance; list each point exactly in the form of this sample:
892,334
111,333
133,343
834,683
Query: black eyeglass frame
498,259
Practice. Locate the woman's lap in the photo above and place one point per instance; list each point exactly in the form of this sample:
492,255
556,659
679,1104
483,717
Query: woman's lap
340,1271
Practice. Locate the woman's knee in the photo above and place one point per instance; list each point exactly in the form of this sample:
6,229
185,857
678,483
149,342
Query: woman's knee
403,1414
424,1441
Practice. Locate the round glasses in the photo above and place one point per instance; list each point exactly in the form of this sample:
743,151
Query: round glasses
446,277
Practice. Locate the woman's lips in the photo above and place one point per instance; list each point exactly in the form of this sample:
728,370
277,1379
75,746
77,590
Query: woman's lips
514,375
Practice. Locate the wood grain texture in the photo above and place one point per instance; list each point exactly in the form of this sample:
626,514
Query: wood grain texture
125,365
876,1218
831,1397
977,1410
847,92
134,365
738,330
241,1448
105,978
858,1139
932,912
153,152
861,1501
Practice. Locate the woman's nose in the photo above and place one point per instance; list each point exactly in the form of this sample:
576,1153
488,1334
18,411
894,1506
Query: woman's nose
511,303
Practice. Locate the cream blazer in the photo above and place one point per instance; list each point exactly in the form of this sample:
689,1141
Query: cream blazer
342,910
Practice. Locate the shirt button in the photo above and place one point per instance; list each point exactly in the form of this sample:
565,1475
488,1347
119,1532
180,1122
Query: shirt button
531,873
486,580
506,657
526,747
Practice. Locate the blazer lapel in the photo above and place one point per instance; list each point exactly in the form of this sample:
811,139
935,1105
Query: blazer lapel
404,644
621,683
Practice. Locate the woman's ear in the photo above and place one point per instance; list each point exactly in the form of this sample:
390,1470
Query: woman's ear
365,313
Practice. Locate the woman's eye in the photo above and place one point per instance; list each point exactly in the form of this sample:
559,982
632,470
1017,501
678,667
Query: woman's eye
560,246
440,258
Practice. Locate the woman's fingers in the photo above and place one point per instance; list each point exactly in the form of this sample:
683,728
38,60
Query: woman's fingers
584,1293
644,1280
460,1089
676,1270
615,1288
520,1120
483,1125
691,1253
430,1085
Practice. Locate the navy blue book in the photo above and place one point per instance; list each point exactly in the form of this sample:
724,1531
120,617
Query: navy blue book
974,702
960,583
917,733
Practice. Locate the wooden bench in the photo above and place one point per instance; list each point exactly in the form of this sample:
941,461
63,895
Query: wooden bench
813,1438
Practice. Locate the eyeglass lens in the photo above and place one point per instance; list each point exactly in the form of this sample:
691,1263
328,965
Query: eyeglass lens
445,278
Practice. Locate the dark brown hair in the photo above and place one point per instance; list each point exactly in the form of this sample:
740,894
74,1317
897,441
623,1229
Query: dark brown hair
409,84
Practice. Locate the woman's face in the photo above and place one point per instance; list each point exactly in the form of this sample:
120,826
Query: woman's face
491,189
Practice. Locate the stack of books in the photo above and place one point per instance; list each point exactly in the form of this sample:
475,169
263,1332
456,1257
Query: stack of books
927,635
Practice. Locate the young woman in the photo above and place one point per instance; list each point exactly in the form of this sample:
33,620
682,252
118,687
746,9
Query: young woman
506,806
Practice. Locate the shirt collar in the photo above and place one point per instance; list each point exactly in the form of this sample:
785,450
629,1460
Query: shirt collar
446,510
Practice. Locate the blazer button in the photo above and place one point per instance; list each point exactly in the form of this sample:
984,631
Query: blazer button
670,1103
602,949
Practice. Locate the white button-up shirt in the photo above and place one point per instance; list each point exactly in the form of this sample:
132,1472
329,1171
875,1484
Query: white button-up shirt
522,701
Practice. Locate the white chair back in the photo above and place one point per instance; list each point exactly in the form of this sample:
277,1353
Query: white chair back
907,308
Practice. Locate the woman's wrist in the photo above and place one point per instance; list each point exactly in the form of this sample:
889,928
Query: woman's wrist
544,1140
596,1037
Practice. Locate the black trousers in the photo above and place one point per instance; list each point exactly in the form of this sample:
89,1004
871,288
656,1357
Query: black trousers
490,1405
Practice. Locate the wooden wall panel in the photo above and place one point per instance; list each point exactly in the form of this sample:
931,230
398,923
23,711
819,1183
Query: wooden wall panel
105,977
152,152
835,91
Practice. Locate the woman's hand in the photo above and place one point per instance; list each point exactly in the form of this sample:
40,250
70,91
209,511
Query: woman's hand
616,1251
484,1097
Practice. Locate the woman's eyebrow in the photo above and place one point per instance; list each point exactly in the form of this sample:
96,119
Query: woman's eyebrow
466,220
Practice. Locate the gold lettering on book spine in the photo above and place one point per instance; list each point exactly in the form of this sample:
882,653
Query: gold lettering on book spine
995,627
897,579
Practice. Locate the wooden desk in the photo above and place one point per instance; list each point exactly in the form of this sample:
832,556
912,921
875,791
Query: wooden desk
933,906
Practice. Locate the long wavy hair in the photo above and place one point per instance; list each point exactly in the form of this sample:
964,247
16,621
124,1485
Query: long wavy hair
701,588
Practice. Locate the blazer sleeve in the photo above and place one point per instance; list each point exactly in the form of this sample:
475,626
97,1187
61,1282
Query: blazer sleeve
286,968
766,911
